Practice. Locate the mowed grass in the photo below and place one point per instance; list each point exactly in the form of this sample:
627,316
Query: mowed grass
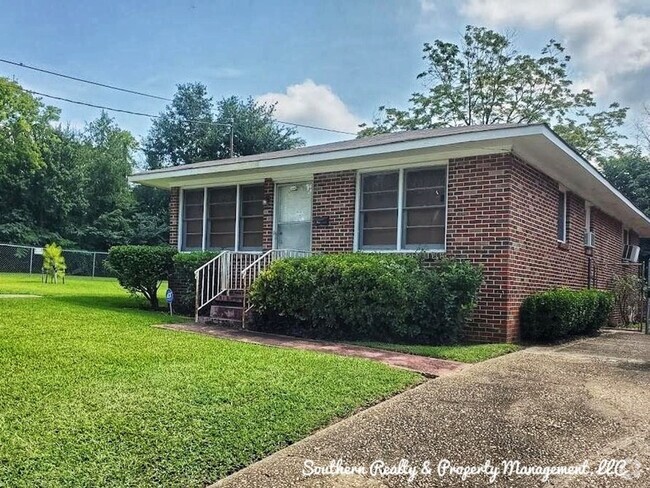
92,395
464,353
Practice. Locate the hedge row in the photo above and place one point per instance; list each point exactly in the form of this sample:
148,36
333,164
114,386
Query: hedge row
558,313
365,296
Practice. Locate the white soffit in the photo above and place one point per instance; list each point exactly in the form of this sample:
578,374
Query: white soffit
536,144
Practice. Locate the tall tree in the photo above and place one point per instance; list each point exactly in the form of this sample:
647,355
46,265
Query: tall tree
107,159
629,172
486,80
24,130
193,128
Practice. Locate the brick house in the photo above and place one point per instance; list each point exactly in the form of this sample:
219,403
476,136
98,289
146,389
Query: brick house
514,198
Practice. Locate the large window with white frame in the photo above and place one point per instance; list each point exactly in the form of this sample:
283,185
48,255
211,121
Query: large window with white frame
403,209
229,217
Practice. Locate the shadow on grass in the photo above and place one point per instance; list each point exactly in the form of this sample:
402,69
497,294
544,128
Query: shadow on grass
126,304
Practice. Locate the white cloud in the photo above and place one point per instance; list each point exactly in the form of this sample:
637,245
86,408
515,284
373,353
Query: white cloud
428,6
609,39
312,104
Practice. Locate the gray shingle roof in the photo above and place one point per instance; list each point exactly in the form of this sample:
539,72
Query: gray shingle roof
379,140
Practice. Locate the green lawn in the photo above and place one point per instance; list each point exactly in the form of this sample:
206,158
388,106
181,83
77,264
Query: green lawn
92,395
467,353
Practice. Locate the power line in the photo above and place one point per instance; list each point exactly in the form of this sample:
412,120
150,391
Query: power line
152,116
134,92
82,80
120,110
317,128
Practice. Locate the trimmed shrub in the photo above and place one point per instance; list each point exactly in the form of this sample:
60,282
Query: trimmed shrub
182,279
141,269
365,296
558,313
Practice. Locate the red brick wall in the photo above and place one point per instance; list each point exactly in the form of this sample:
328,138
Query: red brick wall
502,213
174,201
478,229
333,198
267,228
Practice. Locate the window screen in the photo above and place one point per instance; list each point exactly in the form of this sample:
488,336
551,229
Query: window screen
222,215
561,217
193,219
251,217
424,208
379,210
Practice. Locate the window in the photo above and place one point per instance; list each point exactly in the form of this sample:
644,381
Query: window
252,217
379,210
403,209
424,209
626,237
561,217
222,217
193,219
233,218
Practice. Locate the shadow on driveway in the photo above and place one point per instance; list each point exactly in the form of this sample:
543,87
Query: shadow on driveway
586,401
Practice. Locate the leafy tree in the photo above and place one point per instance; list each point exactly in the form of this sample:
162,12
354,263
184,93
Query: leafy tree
24,125
188,131
255,129
184,130
629,172
485,80
141,269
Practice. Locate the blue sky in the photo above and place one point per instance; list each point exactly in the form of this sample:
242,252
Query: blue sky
329,63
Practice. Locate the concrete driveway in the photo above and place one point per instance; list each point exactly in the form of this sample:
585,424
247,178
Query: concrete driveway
578,405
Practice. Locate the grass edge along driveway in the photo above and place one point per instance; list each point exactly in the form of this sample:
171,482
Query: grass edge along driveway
463,353
92,395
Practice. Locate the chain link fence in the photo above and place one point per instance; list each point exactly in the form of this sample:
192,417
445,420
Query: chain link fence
28,259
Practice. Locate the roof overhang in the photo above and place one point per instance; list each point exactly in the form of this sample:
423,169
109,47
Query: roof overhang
538,145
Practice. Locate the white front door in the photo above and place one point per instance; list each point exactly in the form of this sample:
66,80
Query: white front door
293,216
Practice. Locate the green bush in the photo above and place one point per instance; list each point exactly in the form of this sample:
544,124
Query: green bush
141,269
558,313
182,279
365,297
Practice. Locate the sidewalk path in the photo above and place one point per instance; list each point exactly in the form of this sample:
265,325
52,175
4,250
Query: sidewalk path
427,366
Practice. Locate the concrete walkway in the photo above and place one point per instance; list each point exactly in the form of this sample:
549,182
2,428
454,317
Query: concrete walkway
557,406
429,367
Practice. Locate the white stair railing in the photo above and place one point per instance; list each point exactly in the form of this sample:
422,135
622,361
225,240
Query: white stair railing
253,270
220,275
210,281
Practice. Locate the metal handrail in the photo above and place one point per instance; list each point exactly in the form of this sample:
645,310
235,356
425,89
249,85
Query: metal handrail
259,265
202,283
196,271
220,275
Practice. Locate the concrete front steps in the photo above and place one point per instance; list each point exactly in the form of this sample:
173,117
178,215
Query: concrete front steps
226,310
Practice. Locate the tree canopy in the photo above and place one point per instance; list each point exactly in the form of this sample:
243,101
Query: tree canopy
484,79
70,186
193,128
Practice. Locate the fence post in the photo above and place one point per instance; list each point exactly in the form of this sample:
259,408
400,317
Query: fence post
94,256
31,259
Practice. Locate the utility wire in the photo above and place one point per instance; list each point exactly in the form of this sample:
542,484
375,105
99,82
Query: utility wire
152,116
81,80
124,111
134,92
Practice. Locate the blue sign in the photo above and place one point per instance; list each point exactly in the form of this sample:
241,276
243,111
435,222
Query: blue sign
169,295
